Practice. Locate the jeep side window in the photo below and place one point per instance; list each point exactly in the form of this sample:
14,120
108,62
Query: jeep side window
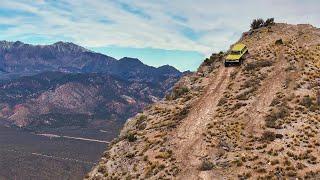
235,52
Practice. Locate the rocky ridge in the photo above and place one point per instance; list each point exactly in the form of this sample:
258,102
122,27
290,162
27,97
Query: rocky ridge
256,121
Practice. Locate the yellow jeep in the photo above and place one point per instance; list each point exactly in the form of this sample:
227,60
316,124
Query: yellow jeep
236,55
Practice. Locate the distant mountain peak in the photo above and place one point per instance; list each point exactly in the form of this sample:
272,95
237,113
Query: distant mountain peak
129,59
18,43
7,44
168,69
68,46
18,58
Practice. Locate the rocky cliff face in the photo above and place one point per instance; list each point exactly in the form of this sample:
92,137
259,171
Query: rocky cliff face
258,120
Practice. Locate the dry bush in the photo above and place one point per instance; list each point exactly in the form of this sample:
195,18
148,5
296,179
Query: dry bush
279,113
257,23
306,101
102,169
279,42
246,94
269,22
131,137
206,166
257,64
309,103
213,58
178,92
222,101
268,136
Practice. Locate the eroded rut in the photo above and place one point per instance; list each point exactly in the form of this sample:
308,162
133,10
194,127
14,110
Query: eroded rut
190,147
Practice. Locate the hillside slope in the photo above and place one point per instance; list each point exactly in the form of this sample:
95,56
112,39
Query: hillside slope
259,120
55,99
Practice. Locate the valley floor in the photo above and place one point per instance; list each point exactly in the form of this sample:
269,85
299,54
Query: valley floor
25,155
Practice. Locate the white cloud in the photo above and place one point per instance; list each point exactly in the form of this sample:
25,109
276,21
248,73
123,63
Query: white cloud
216,24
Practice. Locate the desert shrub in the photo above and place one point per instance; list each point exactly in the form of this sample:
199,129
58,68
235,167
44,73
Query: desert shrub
279,136
130,155
142,126
178,92
222,101
306,101
102,169
257,23
183,113
291,173
246,175
238,106
233,75
251,83
163,155
246,94
257,64
213,58
141,119
279,42
268,136
208,61
276,114
238,162
269,21
274,162
275,101
206,165
131,137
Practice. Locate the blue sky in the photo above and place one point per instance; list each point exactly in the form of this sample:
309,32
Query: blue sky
176,32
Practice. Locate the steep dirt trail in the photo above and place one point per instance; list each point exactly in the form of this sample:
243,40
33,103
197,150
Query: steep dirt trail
270,86
192,148
189,141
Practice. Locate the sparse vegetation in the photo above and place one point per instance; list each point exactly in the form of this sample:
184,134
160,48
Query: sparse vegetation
268,136
177,93
245,122
257,23
279,42
276,114
258,64
306,101
206,165
215,57
269,22
131,137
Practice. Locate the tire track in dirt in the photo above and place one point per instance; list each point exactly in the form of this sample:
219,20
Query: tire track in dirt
189,141
270,86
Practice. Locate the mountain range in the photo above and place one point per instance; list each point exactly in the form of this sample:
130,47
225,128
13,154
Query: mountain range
64,84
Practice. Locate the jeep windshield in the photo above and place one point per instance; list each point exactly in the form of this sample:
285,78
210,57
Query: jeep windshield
235,52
